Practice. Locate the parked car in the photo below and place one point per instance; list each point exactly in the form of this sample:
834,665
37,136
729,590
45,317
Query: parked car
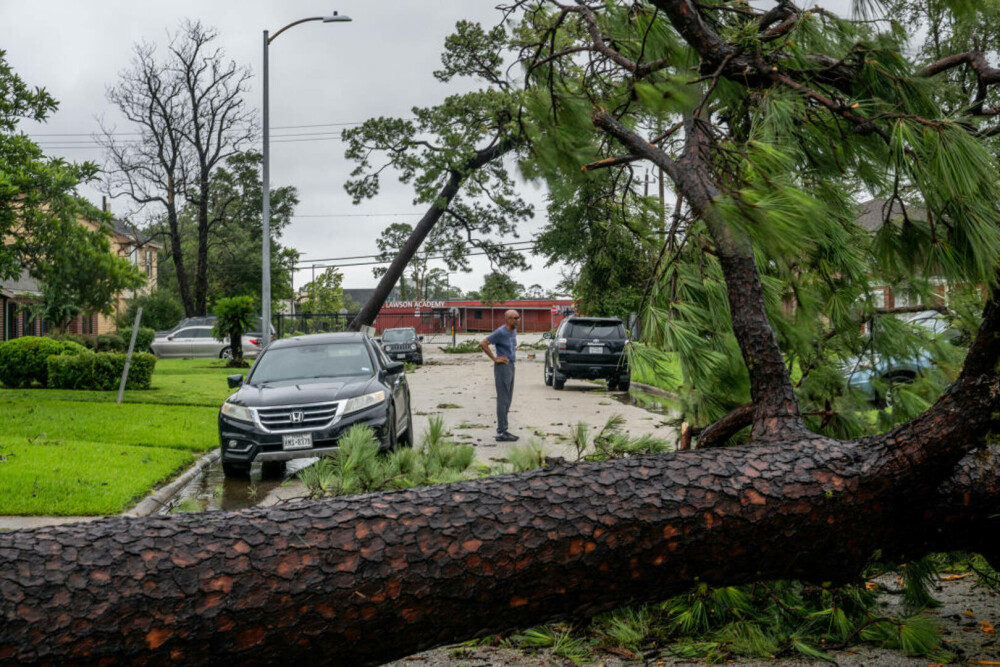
875,377
403,343
209,320
197,341
303,393
588,348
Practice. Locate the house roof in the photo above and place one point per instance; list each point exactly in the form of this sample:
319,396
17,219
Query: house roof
873,213
23,285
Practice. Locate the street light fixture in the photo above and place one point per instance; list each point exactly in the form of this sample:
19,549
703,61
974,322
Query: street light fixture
265,295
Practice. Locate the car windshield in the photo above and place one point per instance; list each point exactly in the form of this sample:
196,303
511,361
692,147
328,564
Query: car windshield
592,329
397,335
309,362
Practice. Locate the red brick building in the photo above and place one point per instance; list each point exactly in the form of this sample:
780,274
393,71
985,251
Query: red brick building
429,317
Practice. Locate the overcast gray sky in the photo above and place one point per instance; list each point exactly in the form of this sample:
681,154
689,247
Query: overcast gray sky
323,75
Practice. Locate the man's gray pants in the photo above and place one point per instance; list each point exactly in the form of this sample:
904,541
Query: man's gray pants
503,374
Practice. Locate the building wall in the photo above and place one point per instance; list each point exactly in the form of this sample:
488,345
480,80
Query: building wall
429,317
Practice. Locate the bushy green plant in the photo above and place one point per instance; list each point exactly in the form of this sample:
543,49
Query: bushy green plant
110,343
160,310
143,339
72,371
108,368
234,317
23,361
465,347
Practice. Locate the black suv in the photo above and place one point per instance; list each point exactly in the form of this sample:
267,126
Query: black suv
588,348
303,393
403,343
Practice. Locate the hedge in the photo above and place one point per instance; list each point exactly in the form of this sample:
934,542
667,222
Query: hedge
23,360
102,370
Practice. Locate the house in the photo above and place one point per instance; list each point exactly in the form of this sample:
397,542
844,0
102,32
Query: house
874,213
16,296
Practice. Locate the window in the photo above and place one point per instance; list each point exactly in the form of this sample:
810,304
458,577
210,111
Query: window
149,263
477,314
26,323
425,316
133,256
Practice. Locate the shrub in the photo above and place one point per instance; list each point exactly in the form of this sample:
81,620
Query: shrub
160,310
88,342
72,347
110,343
72,371
102,370
144,339
24,360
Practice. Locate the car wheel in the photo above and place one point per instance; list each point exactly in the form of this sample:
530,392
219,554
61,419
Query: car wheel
624,383
557,383
406,439
272,469
227,353
548,375
420,360
389,442
612,384
240,470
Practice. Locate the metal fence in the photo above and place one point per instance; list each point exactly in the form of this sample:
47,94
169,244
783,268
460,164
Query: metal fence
310,323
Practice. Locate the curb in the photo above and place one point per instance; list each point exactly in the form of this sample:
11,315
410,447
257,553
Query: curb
152,504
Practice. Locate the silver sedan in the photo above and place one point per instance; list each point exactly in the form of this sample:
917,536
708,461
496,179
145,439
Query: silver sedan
197,341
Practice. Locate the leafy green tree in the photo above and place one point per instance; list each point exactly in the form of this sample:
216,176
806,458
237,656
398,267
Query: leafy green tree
234,317
234,234
453,154
391,242
41,217
160,310
190,113
499,287
325,294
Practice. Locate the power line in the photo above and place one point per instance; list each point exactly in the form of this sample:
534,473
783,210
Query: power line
357,215
334,259
132,134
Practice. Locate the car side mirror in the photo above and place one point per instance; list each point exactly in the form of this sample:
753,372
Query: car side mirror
547,335
420,338
378,340
394,368
234,381
170,337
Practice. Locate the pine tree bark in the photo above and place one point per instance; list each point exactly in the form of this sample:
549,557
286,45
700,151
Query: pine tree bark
367,579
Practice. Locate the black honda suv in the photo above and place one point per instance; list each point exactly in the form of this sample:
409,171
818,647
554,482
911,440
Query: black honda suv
403,343
588,348
303,393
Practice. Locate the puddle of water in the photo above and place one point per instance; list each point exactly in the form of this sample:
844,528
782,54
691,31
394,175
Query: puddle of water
212,490
659,404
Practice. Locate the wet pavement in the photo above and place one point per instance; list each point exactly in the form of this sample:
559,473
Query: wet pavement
212,490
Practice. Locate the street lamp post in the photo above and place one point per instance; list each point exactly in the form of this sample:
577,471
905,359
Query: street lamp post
265,292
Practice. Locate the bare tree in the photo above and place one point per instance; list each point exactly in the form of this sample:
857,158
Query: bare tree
190,114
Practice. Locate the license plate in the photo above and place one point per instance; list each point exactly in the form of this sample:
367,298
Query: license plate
596,349
297,441
400,356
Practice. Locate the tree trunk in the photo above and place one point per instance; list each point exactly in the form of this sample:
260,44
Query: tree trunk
177,254
366,316
371,578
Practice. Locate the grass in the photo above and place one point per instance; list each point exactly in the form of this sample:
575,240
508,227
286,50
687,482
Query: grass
68,452
79,478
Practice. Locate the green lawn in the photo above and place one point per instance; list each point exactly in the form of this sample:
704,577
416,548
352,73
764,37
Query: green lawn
79,453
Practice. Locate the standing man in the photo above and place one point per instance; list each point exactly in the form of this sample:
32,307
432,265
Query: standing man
505,340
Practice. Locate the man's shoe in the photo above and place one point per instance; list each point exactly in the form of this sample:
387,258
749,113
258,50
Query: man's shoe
506,436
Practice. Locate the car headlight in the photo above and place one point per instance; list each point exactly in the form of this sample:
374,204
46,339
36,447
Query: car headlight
362,402
413,346
237,412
